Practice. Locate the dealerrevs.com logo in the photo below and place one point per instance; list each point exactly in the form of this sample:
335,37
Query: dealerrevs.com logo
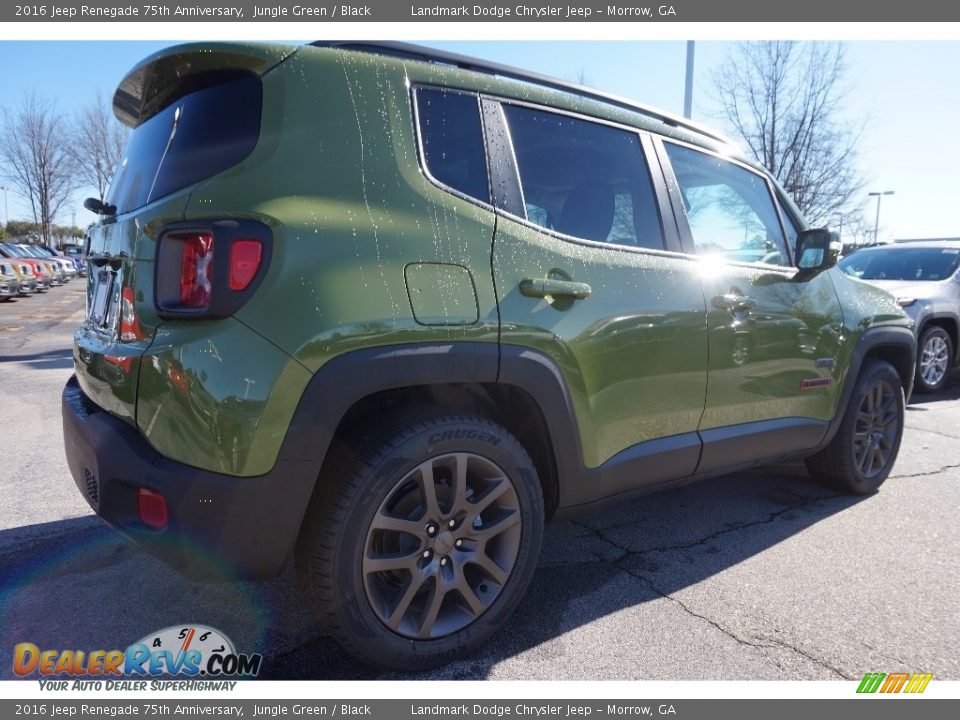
192,651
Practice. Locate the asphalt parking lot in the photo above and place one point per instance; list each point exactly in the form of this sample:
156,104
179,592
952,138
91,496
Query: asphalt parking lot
752,576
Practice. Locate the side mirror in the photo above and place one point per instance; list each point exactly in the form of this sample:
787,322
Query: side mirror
817,250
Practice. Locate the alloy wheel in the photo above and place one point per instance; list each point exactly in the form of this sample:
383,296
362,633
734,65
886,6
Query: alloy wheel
934,360
442,545
875,431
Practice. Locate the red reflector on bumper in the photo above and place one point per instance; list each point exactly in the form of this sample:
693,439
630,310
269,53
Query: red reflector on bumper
244,262
152,508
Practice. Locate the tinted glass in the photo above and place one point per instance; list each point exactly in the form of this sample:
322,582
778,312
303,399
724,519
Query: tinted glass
902,263
584,179
452,138
201,134
729,208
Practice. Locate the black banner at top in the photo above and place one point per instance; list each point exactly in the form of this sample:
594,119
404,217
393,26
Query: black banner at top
481,11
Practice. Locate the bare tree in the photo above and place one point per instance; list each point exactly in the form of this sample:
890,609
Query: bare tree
34,149
97,148
784,100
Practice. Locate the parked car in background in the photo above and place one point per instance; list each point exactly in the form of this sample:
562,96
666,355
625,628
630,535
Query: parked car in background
24,275
925,278
59,272
9,284
76,262
37,267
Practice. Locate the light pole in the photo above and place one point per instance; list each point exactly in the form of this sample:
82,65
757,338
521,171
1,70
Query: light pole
688,87
876,222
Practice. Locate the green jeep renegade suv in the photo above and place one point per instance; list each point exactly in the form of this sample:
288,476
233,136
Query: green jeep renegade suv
384,310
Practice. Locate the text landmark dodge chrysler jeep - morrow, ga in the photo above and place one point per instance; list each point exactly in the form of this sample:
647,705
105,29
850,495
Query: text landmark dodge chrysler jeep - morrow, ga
384,310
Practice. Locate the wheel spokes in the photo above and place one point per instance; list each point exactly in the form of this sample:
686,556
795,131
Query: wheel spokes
391,562
433,609
490,567
498,526
470,597
403,604
442,529
490,496
390,523
460,482
428,490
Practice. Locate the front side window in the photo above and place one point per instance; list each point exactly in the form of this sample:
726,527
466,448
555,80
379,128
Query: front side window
728,208
452,141
584,179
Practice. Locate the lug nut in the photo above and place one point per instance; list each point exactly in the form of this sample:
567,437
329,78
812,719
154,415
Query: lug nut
443,561
431,530
427,554
459,543
452,523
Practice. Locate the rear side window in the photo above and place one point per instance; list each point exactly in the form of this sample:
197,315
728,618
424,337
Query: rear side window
199,135
451,138
584,179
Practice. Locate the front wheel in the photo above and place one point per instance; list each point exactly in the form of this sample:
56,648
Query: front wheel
862,453
935,355
423,535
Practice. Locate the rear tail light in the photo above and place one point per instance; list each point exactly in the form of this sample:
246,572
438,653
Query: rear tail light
196,270
130,329
152,508
210,269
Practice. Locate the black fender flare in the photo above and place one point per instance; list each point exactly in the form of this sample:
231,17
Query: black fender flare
875,338
358,374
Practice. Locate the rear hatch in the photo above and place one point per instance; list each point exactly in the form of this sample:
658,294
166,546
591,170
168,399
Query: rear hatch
195,111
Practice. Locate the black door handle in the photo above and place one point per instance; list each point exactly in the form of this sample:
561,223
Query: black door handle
732,301
541,287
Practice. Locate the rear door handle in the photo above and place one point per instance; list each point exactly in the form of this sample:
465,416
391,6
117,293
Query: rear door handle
732,301
541,287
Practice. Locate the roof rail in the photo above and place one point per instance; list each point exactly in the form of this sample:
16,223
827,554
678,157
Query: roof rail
464,62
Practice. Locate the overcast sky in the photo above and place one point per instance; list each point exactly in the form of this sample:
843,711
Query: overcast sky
906,91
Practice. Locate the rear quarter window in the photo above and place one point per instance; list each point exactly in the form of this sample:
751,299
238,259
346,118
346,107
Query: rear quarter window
451,140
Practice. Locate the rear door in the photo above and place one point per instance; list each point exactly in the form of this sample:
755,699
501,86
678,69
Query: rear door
585,274
773,338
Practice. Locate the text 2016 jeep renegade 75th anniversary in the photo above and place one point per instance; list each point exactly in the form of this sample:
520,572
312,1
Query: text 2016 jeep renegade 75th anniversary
384,310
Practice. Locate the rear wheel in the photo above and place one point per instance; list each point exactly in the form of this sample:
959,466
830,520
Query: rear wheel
862,453
935,351
421,538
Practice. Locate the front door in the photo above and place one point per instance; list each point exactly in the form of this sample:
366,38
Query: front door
772,383
582,274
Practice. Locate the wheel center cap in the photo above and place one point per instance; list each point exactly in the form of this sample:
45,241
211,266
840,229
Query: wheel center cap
444,543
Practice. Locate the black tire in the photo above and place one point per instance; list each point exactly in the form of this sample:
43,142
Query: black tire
864,450
377,478
934,359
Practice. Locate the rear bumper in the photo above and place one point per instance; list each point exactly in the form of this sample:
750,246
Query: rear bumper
220,526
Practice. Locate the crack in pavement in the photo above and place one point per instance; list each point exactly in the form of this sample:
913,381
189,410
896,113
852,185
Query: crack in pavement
954,466
599,532
758,643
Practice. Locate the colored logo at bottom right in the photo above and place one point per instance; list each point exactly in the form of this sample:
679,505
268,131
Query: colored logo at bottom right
895,683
